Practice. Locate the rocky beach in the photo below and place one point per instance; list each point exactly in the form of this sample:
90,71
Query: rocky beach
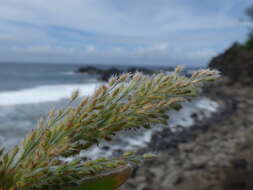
126,95
215,153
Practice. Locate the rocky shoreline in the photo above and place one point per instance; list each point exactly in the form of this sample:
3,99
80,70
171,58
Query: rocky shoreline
215,154
207,155
166,140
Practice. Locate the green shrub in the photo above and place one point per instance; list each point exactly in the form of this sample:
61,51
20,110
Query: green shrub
249,42
126,102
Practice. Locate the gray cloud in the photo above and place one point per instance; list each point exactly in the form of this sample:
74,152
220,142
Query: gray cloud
119,31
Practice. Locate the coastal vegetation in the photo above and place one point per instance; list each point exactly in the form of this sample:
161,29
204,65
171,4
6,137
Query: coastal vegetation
237,58
249,42
48,157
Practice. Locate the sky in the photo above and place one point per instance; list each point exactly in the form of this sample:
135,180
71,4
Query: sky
154,32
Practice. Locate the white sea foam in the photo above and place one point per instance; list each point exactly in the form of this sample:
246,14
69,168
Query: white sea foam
69,73
44,93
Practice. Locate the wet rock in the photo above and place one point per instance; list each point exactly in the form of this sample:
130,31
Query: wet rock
106,74
89,70
240,164
106,148
139,69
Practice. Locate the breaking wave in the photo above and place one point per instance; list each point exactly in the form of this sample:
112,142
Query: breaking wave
45,93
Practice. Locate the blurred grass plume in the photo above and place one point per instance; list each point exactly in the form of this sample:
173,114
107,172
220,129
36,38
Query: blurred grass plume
127,102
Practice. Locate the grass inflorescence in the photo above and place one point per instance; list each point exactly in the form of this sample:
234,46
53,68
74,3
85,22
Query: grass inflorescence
130,101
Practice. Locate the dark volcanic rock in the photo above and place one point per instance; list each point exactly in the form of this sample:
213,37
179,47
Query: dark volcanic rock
168,141
138,69
106,74
89,70
236,63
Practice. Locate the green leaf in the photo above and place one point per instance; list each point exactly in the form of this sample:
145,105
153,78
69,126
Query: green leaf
107,181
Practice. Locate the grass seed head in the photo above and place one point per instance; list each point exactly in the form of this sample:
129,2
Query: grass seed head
126,102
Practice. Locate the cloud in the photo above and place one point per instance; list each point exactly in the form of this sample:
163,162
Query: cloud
5,37
154,49
90,49
112,30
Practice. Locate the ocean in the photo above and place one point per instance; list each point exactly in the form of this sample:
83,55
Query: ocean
29,91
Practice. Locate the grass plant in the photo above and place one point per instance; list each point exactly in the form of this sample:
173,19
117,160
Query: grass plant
126,102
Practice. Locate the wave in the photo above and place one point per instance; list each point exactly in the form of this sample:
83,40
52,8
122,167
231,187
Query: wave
47,93
68,73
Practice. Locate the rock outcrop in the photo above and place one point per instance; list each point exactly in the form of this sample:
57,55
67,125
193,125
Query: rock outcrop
236,63
89,70
105,74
